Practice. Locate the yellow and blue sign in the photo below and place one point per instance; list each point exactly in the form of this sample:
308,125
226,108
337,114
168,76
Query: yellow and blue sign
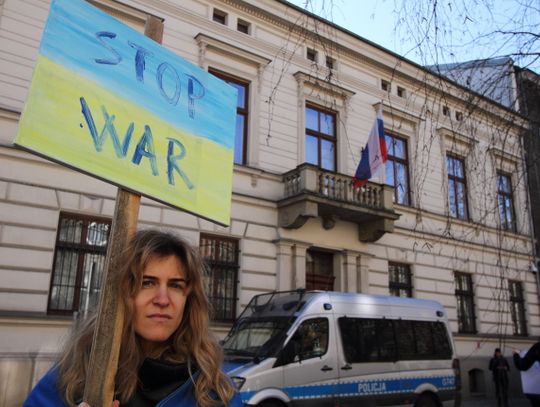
110,102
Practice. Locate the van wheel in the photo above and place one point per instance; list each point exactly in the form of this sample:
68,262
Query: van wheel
425,400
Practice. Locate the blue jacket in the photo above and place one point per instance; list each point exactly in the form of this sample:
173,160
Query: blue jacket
46,394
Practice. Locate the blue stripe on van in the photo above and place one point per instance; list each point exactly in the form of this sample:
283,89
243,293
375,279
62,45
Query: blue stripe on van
363,387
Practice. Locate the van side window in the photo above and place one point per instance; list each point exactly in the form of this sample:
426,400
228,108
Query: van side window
443,349
386,339
367,340
424,339
377,340
309,341
407,341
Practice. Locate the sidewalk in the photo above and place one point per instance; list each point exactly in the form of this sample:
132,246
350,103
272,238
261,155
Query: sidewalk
474,402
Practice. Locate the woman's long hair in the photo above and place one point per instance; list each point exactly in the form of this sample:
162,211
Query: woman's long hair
191,341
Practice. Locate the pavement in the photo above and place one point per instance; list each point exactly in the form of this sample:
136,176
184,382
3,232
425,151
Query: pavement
477,402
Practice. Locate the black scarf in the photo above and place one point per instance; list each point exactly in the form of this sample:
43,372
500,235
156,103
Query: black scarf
158,379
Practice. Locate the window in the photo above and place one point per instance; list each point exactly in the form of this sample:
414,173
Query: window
385,85
243,26
422,340
242,115
457,187
79,258
517,308
321,138
459,116
309,341
465,303
219,16
330,62
377,340
446,111
367,340
319,270
397,168
401,92
505,201
400,279
221,258
311,54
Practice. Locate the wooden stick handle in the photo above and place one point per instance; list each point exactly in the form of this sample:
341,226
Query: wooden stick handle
103,364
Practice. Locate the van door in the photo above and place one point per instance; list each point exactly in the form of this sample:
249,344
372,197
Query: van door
368,369
309,363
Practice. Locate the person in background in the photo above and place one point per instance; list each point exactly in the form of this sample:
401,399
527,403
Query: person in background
529,364
167,356
499,368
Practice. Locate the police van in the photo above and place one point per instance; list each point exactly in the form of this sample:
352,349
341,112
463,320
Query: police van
312,348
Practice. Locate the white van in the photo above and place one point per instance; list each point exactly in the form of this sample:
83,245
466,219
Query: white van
311,348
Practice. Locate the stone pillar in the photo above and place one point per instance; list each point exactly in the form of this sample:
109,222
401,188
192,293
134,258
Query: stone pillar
284,276
299,265
363,262
349,273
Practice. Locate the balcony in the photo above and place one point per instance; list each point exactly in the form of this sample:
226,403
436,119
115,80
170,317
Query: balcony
311,192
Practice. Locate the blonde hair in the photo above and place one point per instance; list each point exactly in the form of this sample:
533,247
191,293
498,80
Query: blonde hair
191,341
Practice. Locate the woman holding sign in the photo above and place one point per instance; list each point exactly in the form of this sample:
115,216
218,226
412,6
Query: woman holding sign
167,355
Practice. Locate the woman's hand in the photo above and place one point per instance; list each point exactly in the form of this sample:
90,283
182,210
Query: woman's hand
115,403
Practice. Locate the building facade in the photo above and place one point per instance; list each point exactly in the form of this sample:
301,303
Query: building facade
449,220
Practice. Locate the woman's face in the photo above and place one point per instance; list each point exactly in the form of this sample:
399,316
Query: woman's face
159,304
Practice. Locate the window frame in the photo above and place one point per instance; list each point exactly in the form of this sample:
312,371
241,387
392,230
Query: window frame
461,180
82,250
516,298
467,296
213,262
403,161
397,285
320,135
242,111
509,225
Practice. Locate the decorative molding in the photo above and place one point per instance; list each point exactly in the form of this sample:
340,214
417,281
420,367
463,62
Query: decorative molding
9,113
206,42
456,142
331,88
118,9
391,110
504,156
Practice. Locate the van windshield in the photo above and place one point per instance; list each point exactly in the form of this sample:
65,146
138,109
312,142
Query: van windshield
259,338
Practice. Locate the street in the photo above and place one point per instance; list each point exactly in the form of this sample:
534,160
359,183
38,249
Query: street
483,402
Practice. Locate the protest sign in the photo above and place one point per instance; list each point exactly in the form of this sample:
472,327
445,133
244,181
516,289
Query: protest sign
112,103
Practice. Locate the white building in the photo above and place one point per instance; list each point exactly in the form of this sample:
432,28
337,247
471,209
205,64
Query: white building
456,228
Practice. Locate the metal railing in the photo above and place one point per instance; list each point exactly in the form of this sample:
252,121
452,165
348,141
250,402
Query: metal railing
335,186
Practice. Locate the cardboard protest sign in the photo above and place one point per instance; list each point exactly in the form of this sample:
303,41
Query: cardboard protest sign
110,102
